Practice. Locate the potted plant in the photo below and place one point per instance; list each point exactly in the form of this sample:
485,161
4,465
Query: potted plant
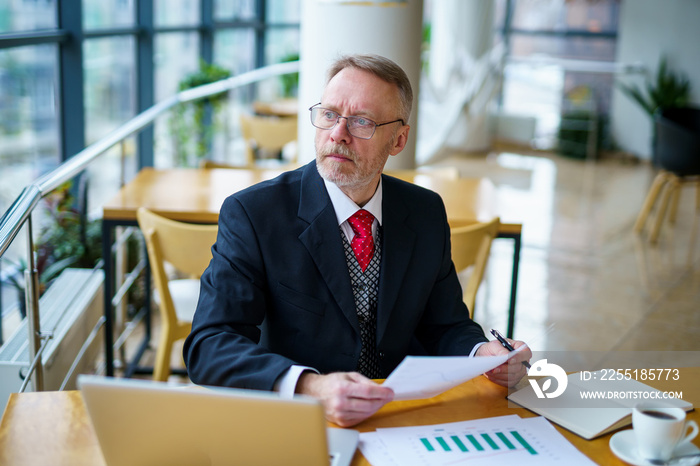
668,90
66,239
190,121
290,81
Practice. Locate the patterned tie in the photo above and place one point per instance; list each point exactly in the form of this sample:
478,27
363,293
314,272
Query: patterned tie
363,243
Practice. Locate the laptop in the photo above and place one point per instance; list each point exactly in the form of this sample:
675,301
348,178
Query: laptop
144,423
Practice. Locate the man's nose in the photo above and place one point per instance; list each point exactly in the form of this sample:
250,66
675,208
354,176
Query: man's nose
340,132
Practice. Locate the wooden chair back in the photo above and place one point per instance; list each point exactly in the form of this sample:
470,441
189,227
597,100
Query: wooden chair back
450,173
206,163
471,246
187,248
266,133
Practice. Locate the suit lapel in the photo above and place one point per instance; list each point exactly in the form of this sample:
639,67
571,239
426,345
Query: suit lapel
397,244
322,240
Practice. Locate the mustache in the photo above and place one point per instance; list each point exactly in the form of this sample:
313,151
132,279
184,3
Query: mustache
329,149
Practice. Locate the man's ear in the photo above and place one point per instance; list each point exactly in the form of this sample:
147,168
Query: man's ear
401,140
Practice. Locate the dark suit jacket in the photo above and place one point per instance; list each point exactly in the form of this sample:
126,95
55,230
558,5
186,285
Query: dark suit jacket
277,291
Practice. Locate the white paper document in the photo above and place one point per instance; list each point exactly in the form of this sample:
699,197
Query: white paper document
498,440
427,376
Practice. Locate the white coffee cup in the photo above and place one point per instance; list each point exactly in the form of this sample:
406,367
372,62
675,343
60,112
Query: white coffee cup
660,429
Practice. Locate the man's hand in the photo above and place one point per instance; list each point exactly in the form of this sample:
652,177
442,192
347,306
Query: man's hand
509,373
348,398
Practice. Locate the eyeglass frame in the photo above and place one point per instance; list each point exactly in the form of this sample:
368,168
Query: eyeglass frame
337,120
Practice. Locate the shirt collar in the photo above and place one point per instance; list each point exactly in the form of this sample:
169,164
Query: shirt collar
346,207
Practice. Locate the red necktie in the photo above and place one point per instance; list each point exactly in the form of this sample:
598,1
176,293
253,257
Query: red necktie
363,243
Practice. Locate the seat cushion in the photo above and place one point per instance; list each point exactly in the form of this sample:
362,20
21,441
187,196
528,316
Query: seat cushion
185,294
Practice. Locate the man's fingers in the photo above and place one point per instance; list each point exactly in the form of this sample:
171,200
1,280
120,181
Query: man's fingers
367,389
507,374
350,411
347,398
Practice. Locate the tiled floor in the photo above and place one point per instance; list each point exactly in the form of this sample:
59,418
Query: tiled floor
588,284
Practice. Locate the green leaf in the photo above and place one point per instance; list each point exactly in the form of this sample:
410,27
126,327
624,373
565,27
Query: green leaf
667,90
187,119
53,270
635,94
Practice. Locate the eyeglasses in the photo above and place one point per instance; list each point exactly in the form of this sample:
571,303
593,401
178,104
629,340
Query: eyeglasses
358,126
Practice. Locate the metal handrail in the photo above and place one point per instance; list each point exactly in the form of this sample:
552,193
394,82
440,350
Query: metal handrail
14,218
21,209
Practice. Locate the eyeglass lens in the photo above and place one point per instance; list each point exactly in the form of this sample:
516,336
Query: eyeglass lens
357,126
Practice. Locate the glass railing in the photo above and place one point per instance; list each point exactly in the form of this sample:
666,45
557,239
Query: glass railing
19,215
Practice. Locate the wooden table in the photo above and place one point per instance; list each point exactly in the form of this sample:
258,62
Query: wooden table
280,108
53,427
196,195
480,398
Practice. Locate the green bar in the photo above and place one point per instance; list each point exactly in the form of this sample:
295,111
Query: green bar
490,441
505,440
427,444
443,444
459,443
474,442
522,441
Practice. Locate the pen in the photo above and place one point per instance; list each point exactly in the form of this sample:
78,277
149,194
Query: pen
505,344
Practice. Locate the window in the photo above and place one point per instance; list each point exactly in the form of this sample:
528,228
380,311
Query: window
109,91
557,56
98,14
58,95
27,16
28,117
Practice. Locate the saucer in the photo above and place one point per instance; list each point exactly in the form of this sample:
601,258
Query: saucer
624,445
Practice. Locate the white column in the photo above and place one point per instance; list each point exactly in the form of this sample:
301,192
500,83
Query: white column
330,28
461,34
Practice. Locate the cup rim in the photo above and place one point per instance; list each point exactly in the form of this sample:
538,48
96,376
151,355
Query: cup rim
677,413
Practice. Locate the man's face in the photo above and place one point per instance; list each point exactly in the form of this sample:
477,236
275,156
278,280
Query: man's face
349,161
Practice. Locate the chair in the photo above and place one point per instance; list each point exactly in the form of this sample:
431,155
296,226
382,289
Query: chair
187,248
450,173
206,163
471,245
677,152
267,134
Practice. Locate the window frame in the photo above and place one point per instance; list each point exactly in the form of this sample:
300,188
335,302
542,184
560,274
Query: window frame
69,37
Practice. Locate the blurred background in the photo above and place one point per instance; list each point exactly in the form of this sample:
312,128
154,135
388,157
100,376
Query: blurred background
72,71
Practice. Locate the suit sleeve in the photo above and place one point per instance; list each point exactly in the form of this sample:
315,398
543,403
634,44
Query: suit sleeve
223,348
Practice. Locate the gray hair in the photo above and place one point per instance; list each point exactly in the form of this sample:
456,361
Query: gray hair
384,69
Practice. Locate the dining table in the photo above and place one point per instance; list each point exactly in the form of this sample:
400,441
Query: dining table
54,427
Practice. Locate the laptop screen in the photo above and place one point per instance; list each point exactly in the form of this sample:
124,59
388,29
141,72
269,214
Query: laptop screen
140,422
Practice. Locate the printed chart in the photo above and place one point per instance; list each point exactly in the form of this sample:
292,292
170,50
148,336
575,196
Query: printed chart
509,438
479,442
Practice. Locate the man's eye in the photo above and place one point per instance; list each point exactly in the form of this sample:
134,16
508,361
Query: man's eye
362,122
330,115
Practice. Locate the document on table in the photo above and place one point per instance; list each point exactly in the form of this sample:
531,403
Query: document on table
497,440
427,376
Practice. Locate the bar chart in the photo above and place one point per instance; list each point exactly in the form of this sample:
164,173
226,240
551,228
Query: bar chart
478,442
511,439
446,445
